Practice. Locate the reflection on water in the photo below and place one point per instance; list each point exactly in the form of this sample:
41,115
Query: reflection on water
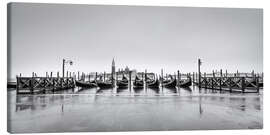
133,109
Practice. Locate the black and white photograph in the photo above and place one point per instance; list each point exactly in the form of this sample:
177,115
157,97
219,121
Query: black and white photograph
122,68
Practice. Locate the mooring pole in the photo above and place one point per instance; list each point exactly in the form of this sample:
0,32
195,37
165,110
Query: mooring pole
63,68
104,76
193,76
178,77
199,71
257,83
220,72
129,80
161,77
145,77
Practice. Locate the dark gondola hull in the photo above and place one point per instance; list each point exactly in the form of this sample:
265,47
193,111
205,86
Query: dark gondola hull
104,85
186,83
122,84
153,84
85,84
171,84
138,84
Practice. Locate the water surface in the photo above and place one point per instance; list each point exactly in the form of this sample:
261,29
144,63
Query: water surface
134,110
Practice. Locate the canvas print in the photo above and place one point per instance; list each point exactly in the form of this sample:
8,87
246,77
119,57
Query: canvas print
106,68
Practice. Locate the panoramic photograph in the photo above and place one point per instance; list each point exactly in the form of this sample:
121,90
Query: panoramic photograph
108,68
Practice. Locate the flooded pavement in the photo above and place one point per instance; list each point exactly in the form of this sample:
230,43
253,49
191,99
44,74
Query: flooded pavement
134,110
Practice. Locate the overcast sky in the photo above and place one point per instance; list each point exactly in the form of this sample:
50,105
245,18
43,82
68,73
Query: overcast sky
136,36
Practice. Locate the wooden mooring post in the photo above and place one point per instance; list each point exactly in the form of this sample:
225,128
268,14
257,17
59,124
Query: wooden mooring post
220,80
199,72
161,77
129,75
193,79
178,77
243,84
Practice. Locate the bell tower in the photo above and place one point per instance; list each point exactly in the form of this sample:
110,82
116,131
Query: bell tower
113,68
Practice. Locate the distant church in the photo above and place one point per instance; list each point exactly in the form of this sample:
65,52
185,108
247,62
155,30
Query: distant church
121,71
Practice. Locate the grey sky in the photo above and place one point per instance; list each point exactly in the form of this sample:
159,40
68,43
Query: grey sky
140,37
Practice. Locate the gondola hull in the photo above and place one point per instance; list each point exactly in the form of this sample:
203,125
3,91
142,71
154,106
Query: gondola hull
103,85
122,84
138,84
85,84
171,84
186,83
153,84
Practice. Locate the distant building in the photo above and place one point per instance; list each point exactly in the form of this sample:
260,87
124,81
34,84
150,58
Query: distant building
113,67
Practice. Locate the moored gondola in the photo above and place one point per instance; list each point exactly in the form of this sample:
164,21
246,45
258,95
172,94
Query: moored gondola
153,84
122,83
104,85
138,83
185,83
84,84
170,84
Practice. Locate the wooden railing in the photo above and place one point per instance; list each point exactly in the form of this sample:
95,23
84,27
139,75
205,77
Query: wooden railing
43,84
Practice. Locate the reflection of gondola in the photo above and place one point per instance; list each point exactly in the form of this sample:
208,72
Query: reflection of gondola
185,83
153,84
138,83
173,89
86,84
155,89
138,89
187,88
120,90
170,84
122,83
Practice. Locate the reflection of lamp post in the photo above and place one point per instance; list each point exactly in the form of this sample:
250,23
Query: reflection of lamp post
64,62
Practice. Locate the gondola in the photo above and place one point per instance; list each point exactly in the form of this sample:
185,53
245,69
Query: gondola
138,83
84,84
185,83
122,83
170,84
153,84
104,85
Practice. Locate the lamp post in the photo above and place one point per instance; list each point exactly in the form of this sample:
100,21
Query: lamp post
64,62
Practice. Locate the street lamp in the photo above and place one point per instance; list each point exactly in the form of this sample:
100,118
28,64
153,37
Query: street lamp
64,62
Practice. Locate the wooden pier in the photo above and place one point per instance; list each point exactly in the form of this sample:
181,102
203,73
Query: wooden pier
232,84
31,85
